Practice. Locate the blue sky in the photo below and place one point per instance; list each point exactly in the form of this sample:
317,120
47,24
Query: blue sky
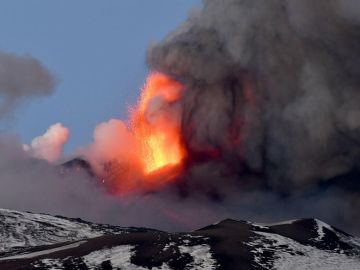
95,49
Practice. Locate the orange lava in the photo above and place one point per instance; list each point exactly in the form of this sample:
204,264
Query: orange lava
155,123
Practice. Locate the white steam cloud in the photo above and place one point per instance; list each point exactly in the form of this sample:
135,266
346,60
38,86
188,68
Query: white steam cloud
50,145
112,140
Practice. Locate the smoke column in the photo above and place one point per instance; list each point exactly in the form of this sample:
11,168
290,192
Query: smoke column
272,84
271,115
268,114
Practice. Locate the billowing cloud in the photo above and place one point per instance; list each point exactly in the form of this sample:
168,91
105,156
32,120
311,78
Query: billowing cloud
50,145
22,78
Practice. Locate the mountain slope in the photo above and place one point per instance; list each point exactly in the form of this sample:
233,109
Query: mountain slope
20,230
229,244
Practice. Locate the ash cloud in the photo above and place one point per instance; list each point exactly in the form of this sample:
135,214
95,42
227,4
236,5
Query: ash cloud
31,184
274,84
272,100
22,78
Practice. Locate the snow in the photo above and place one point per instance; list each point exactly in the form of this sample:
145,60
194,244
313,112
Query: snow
119,256
169,245
51,264
42,252
286,222
201,255
270,250
289,254
267,225
23,229
320,229
355,241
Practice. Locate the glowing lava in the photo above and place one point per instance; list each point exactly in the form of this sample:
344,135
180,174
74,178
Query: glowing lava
155,123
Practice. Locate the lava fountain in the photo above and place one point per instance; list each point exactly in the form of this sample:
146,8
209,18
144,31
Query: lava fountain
155,123
148,151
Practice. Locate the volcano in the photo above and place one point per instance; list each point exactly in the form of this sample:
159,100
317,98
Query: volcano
250,111
250,103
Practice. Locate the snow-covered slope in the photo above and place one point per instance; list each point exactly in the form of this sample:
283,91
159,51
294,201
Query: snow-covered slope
24,229
320,247
47,242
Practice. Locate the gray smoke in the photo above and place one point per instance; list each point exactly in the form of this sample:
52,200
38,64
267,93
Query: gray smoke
21,78
273,84
31,184
272,92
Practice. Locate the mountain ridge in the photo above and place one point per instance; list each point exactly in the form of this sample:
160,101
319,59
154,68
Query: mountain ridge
229,244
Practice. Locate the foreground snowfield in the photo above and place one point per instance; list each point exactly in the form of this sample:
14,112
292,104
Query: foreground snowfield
120,257
23,229
289,254
38,241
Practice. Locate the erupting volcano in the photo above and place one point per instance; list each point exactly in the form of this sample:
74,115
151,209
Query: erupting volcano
148,150
250,111
156,124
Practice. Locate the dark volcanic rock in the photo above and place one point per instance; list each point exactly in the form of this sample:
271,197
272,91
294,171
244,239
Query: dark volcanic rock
77,165
229,244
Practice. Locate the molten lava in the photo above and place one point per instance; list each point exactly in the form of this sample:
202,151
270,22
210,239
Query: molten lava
148,151
155,123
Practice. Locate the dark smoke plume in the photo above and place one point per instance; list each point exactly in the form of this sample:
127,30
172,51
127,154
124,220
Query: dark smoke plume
272,100
273,84
21,78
